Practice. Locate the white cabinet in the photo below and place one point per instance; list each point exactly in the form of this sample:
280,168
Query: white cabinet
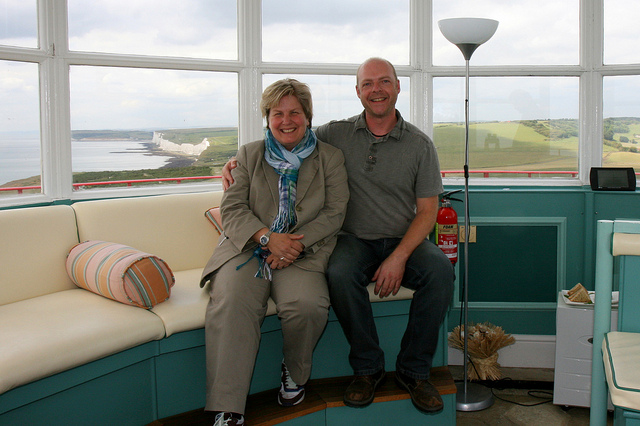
574,333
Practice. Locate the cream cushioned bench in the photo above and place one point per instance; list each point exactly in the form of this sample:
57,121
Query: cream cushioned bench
48,324
61,343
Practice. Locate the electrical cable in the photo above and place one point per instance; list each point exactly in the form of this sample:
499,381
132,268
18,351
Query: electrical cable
530,393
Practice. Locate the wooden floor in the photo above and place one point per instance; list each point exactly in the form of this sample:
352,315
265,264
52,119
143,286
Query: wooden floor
263,410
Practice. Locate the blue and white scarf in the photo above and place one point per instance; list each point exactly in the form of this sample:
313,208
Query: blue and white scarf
287,164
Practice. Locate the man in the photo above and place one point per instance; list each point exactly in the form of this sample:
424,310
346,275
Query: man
394,182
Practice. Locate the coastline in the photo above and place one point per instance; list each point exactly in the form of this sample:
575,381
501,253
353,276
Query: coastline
175,160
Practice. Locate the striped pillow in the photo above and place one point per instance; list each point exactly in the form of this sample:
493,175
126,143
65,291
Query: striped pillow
213,214
120,273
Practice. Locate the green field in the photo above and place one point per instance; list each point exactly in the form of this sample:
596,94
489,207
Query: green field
540,145
525,145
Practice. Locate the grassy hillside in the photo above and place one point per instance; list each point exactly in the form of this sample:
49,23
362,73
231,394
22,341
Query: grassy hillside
195,136
505,146
543,145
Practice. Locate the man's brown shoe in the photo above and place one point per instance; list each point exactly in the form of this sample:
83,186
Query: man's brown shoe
362,389
424,395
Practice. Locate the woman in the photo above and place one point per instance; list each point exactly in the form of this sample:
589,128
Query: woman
280,219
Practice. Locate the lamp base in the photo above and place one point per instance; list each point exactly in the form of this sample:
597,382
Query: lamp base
477,398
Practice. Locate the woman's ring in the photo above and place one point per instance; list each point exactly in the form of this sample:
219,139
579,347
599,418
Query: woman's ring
282,258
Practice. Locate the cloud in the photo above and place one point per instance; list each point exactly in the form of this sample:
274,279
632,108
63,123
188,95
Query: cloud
543,32
129,98
532,33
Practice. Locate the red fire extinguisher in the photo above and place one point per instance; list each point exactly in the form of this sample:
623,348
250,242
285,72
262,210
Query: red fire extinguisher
447,228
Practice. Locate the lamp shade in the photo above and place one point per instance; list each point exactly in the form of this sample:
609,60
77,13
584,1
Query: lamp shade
468,33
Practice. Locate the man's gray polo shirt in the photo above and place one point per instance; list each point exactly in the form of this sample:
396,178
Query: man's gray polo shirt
386,175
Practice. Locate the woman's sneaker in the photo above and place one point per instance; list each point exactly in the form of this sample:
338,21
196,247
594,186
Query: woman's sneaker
228,419
290,393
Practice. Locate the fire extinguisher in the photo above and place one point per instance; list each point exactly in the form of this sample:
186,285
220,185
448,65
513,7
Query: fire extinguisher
447,227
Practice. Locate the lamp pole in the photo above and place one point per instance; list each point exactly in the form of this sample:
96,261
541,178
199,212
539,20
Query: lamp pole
467,34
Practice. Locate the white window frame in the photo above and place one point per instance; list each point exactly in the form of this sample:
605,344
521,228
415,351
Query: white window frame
55,59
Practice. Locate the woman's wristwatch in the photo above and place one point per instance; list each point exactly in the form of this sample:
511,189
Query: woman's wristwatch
264,239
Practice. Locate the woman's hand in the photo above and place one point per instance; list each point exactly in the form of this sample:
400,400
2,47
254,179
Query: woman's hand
284,248
276,262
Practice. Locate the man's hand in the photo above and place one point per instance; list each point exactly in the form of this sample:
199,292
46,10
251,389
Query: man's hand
227,179
388,277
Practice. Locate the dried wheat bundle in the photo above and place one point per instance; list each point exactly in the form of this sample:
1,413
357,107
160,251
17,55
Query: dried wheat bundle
483,343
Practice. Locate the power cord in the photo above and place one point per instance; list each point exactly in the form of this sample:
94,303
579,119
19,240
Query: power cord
548,396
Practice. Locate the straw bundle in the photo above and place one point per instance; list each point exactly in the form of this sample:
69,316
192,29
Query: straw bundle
483,343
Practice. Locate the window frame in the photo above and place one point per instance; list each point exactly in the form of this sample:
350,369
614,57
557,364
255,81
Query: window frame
55,59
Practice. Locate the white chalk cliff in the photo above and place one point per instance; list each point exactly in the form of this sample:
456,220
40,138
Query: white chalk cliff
185,148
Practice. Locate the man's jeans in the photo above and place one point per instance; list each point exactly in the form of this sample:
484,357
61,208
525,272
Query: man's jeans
428,271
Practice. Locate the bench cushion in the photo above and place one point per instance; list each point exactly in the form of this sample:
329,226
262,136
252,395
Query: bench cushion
621,356
186,308
120,273
55,332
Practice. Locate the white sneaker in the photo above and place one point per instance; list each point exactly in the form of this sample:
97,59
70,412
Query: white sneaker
226,419
290,393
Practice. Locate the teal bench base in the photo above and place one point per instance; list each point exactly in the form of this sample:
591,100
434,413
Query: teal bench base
163,378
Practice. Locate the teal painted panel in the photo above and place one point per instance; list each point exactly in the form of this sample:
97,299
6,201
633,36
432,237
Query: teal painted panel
266,372
126,397
181,381
629,320
513,263
181,341
331,356
621,205
513,321
75,377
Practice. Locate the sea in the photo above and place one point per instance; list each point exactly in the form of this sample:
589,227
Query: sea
20,157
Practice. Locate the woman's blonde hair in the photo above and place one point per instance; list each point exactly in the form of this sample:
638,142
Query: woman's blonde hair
288,86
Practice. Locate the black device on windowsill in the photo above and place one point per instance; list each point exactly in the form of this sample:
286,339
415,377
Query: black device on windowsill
612,179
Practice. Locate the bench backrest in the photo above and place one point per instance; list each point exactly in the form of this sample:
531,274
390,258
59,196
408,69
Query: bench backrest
172,227
35,244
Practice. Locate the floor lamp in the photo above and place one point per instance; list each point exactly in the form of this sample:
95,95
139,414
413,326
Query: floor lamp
468,34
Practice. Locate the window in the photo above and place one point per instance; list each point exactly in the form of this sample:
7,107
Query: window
621,138
19,126
119,116
621,33
552,91
19,23
544,32
520,127
186,28
339,31
621,104
334,97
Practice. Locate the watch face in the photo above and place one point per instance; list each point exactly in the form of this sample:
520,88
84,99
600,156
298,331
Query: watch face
264,240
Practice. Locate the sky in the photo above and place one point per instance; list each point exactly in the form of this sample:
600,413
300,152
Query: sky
342,31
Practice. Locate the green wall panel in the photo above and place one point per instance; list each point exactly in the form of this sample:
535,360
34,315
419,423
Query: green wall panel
513,264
